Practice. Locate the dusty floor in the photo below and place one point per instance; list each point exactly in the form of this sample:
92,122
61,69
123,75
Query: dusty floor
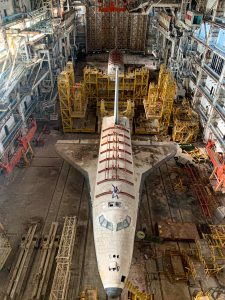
51,189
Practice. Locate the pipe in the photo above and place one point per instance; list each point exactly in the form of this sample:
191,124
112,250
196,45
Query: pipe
116,100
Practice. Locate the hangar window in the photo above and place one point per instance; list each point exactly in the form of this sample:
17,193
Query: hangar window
105,223
124,224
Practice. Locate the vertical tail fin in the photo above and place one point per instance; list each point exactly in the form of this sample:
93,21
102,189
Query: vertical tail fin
116,100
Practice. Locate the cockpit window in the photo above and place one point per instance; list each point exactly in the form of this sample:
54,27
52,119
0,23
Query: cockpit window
124,224
119,226
101,219
105,223
109,226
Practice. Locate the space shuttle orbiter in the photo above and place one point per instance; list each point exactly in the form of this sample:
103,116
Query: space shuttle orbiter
115,168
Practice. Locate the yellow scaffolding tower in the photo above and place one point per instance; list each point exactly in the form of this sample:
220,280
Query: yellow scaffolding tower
126,109
133,85
203,296
167,95
98,90
216,241
73,103
194,267
153,109
186,124
135,294
69,69
210,256
65,101
89,294
141,77
61,280
159,102
218,235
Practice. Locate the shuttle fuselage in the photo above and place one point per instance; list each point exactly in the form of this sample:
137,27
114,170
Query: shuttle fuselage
114,205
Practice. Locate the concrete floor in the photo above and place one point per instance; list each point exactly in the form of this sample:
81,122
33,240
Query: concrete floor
51,189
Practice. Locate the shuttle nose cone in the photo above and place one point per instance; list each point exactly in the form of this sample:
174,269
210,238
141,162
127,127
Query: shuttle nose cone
113,292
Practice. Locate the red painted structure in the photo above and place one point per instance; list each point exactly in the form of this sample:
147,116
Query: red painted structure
112,6
23,146
218,161
200,191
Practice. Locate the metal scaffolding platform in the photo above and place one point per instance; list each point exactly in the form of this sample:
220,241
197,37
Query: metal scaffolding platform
96,94
150,106
218,235
194,267
159,103
89,294
133,85
203,296
210,248
186,124
209,258
73,102
135,294
60,285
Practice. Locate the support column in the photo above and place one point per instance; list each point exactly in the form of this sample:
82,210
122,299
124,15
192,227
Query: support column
26,50
20,108
50,68
216,98
22,115
164,42
1,148
173,48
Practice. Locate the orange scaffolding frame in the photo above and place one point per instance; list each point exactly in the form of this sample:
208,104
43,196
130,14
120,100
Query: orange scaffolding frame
219,166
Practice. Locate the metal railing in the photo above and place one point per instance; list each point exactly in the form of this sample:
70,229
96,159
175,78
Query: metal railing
31,107
218,135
